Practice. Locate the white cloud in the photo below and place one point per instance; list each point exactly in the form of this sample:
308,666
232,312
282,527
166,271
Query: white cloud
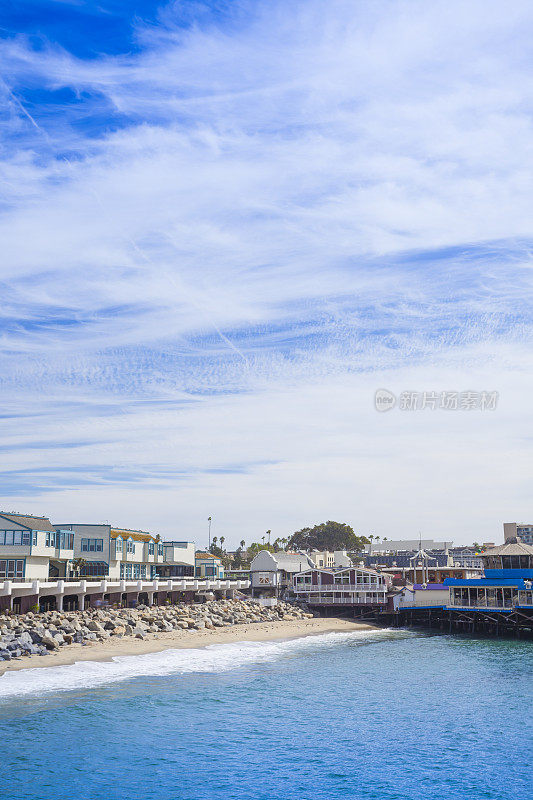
270,223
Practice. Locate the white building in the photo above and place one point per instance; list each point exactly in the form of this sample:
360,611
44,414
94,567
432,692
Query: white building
402,545
271,573
129,554
31,547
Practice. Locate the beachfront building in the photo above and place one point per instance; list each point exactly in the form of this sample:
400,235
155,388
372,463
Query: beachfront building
208,566
506,583
418,595
271,574
355,586
120,553
32,548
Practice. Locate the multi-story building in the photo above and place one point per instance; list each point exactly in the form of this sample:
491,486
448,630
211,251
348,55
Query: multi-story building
466,557
271,574
523,530
128,554
353,587
322,558
31,547
506,583
208,566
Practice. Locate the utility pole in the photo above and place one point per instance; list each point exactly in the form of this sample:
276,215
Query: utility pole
209,533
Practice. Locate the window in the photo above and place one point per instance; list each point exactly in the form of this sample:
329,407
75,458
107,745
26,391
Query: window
159,549
126,571
118,545
92,545
95,569
60,539
16,538
151,549
130,546
12,568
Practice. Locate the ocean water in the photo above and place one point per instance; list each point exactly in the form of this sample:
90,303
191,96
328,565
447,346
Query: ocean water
379,715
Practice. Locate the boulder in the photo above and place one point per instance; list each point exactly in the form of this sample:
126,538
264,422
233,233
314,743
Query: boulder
50,643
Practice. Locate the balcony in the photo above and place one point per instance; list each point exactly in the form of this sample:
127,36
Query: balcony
340,587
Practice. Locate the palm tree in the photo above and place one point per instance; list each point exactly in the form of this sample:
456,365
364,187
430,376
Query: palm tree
215,540
263,539
222,540
268,534
242,543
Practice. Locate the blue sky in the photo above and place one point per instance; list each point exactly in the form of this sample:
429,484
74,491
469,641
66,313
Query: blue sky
225,225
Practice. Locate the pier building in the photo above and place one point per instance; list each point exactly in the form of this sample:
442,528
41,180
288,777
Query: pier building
354,586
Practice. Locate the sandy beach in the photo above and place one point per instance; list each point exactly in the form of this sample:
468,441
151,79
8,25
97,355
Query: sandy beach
129,646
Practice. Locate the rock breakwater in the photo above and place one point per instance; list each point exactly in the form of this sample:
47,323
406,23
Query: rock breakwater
41,634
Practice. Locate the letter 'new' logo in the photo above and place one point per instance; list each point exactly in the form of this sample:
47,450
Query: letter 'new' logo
384,400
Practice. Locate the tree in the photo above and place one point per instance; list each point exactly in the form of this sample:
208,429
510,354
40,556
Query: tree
222,540
215,540
77,566
242,543
328,536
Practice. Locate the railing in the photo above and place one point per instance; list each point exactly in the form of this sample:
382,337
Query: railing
524,598
340,587
465,603
333,601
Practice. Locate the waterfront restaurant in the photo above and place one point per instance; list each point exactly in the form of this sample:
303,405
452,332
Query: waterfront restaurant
506,584
354,587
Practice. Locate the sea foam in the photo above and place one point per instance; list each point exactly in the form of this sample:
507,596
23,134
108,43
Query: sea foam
213,658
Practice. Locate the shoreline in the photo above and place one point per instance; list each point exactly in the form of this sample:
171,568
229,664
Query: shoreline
186,640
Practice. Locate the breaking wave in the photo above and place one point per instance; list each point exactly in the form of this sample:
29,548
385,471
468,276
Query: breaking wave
213,658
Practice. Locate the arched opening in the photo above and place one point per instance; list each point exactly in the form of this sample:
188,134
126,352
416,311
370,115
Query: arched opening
70,602
48,603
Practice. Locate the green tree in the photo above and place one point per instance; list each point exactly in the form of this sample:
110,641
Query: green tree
328,535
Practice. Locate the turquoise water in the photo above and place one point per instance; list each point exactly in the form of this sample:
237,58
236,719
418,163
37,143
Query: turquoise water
381,715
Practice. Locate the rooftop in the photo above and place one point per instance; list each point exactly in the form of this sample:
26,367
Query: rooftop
34,523
138,536
202,555
513,547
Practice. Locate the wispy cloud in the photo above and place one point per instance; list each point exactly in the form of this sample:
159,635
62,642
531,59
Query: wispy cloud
224,227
